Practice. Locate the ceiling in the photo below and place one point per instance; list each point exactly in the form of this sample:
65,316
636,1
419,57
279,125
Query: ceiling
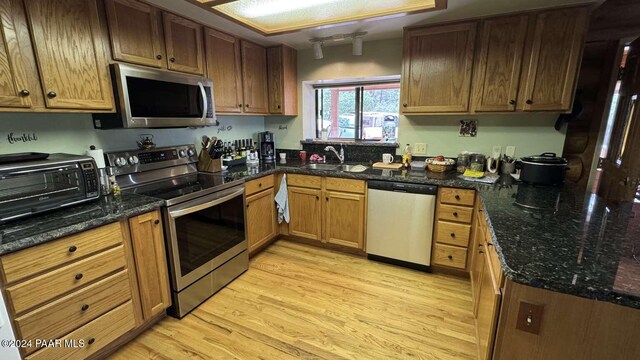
385,28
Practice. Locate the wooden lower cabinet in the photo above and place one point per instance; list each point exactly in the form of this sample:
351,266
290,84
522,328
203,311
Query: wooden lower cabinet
261,218
151,263
344,219
305,210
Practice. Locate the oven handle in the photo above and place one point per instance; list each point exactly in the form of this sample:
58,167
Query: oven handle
191,209
205,103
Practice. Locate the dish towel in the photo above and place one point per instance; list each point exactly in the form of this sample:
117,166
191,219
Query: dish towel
282,201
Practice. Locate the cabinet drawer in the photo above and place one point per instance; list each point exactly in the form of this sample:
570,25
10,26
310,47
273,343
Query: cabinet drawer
308,181
453,234
74,310
450,256
28,262
455,213
253,186
346,185
95,335
457,196
47,286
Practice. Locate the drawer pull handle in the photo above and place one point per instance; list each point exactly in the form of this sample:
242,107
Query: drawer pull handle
25,92
259,184
489,244
453,235
455,214
79,276
51,94
91,341
457,197
159,57
512,102
450,257
172,59
480,252
529,101
85,307
157,221
72,248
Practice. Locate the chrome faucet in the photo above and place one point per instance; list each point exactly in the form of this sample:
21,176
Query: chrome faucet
340,155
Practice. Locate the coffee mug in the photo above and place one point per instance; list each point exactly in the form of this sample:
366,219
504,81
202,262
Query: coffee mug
387,158
303,155
283,156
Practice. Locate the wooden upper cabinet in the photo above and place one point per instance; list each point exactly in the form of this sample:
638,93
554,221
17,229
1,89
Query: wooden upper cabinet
254,78
437,67
282,63
223,67
183,39
135,32
498,64
15,89
151,263
70,50
552,58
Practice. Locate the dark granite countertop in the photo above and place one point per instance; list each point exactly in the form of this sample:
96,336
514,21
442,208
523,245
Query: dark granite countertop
21,234
575,244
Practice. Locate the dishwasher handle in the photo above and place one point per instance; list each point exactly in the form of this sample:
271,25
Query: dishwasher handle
403,187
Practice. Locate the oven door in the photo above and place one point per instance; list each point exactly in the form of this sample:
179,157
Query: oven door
204,233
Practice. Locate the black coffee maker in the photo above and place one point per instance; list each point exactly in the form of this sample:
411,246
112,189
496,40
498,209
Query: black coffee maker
267,146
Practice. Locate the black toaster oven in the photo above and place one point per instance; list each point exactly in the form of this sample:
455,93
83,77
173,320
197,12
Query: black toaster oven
32,187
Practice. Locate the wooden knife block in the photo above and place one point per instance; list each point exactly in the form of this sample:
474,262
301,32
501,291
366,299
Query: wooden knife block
207,164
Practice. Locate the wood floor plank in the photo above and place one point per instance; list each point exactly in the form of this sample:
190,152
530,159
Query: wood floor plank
303,302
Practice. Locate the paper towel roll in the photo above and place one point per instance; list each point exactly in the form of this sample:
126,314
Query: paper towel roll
98,156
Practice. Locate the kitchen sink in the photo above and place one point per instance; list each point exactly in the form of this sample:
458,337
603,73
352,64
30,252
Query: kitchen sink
321,167
352,168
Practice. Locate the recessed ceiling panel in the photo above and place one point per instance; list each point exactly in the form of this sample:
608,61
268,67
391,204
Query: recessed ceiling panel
271,17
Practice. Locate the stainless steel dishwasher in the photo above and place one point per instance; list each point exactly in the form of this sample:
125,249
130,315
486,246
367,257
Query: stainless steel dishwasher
400,223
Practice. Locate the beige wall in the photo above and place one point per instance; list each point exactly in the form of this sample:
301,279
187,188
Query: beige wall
530,133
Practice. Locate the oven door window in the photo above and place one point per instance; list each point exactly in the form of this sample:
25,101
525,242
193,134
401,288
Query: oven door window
203,235
161,99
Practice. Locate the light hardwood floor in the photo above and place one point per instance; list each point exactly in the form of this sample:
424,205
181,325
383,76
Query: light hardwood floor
297,301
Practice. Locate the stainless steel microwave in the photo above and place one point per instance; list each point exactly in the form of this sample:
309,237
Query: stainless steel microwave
31,187
153,98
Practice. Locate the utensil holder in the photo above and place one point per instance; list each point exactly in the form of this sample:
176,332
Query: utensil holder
207,164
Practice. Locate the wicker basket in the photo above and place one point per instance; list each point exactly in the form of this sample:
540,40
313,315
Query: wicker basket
439,168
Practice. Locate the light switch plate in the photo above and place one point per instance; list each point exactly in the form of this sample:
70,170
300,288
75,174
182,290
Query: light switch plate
420,149
510,151
529,317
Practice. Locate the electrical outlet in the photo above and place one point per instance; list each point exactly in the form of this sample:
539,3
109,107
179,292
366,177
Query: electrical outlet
529,317
510,151
420,149
497,151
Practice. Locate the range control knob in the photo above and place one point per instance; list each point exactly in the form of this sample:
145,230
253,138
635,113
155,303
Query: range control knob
182,154
120,162
191,152
133,160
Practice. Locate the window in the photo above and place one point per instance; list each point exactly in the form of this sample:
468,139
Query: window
366,111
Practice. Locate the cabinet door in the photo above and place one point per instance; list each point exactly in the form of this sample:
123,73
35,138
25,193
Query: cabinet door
151,263
15,89
135,32
70,51
183,39
261,218
282,73
552,59
254,78
499,64
477,250
436,72
488,308
344,219
223,67
305,213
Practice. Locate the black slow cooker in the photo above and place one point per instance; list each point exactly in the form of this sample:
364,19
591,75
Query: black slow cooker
544,169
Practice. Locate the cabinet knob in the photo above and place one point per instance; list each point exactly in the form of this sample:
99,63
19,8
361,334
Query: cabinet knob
512,102
489,244
239,105
85,307
159,57
317,197
156,221
25,92
278,106
480,252
172,59
247,105
52,94
327,198
404,105
529,101
450,257
259,184
455,214
453,235
457,197
73,248
79,276
91,341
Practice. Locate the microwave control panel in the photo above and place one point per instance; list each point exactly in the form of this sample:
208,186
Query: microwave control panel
92,185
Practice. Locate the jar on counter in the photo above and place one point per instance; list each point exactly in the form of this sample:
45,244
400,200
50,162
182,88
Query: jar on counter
463,163
477,162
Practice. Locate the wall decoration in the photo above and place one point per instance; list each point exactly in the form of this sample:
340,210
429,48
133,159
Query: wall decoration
468,128
21,138
223,128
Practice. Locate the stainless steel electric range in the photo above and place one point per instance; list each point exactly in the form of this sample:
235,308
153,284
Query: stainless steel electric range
204,219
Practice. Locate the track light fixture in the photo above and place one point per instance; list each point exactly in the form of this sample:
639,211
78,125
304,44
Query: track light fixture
356,40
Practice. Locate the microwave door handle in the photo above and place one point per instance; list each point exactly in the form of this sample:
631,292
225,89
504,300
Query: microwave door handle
191,209
205,107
